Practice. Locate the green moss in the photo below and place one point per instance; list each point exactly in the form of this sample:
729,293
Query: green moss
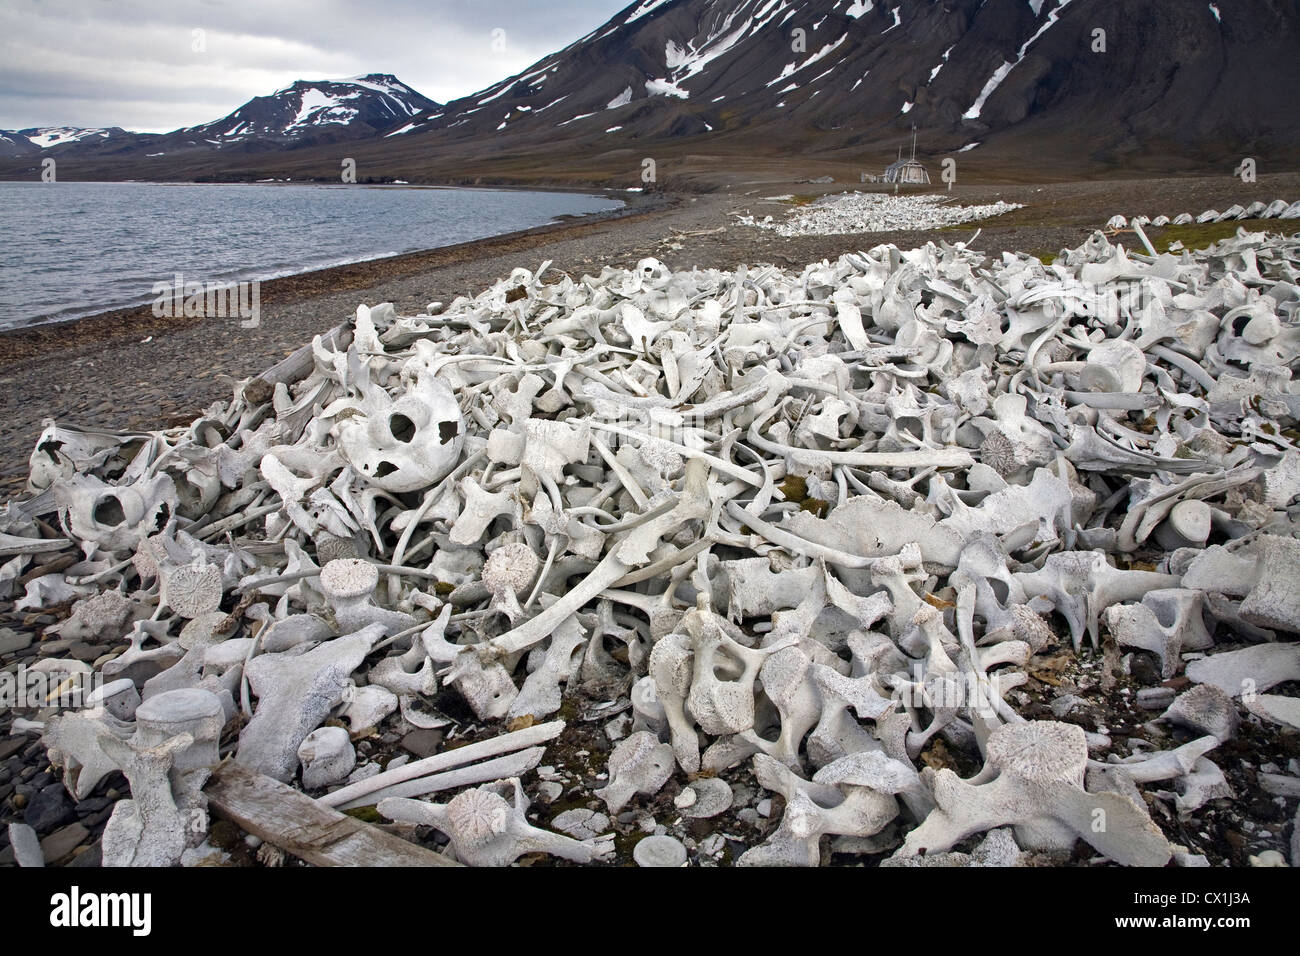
365,814
801,199
795,488
443,588
1201,235
816,506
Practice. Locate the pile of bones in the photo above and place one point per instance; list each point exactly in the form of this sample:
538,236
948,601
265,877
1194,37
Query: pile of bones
874,212
816,526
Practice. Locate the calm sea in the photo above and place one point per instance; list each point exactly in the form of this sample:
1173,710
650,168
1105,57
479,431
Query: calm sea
74,249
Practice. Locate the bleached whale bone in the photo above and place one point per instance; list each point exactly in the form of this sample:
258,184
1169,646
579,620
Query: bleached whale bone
487,830
640,764
1033,780
149,829
295,694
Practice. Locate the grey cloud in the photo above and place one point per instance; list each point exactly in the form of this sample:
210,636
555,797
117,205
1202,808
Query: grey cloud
133,63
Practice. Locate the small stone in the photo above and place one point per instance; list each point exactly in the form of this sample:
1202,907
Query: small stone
327,757
11,641
63,841
548,791
617,728
713,845
710,797
422,743
81,651
25,845
87,855
1065,703
764,807
49,807
11,745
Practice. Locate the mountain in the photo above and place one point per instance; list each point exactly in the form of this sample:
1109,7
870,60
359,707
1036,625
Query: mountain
1014,89
315,111
1171,78
34,141
308,113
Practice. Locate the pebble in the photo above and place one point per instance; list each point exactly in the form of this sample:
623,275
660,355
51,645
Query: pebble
63,841
11,745
49,807
617,728
82,651
11,641
548,791
95,819
422,743
713,845
25,846
87,856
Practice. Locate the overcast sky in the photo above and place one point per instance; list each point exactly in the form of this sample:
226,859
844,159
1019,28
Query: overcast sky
139,64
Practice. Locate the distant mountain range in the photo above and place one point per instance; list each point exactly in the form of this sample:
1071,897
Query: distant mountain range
308,113
1037,88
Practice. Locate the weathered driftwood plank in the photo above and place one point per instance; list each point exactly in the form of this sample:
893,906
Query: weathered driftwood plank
299,825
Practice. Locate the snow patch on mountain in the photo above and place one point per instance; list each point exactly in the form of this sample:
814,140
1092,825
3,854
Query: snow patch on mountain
791,69
648,6
935,71
665,87
1005,69
319,109
48,136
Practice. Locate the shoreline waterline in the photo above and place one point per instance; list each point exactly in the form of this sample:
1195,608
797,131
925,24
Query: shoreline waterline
30,339
254,237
